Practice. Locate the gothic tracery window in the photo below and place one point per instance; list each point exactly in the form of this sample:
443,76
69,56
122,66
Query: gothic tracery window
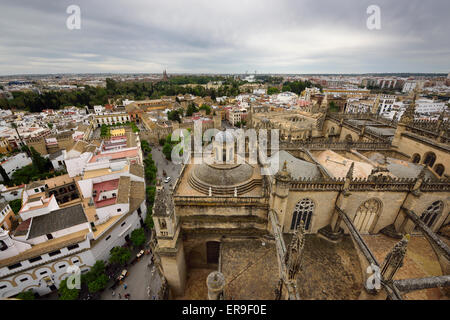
366,215
303,211
430,215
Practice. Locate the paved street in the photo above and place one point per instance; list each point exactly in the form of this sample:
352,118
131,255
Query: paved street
161,163
140,276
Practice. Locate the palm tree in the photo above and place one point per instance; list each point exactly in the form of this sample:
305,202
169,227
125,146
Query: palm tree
14,125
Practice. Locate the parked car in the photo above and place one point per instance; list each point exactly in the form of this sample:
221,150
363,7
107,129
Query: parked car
140,253
123,274
167,180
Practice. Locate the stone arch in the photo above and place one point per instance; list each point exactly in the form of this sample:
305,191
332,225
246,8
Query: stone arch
62,276
6,283
32,286
367,215
22,274
429,159
80,261
439,169
415,158
26,276
304,210
432,213
59,263
37,271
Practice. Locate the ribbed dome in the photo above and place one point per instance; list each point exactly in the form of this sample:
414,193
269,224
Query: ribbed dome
223,175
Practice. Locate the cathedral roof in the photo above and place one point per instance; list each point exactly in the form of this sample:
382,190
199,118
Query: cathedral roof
223,175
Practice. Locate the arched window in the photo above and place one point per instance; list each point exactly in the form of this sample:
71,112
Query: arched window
303,211
416,158
367,215
430,215
430,158
348,138
439,169
332,131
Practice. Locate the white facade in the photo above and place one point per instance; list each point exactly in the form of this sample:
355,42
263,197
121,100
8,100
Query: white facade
15,163
408,86
386,102
10,194
429,106
98,109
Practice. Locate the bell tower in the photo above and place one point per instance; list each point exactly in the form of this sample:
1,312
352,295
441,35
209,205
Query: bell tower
169,243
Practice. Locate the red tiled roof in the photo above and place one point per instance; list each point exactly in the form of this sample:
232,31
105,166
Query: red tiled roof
105,186
22,228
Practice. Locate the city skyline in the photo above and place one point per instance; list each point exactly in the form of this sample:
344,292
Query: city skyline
288,37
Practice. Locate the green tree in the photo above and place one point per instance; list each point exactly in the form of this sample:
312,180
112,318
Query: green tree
119,255
191,109
98,284
151,192
15,205
167,150
174,115
273,90
333,107
149,219
138,237
104,131
41,164
66,293
26,295
206,108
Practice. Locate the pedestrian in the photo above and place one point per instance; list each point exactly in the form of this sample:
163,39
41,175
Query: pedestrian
120,296
125,286
113,293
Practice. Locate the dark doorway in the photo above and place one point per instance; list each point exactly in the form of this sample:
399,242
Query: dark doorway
52,287
212,252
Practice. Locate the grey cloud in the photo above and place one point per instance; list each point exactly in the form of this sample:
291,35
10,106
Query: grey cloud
232,36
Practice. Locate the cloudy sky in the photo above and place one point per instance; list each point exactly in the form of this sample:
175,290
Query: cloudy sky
212,36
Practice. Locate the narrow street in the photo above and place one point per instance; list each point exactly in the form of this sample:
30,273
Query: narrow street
142,277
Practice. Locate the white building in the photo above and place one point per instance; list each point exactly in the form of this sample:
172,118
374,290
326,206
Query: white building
235,115
126,102
429,106
386,102
98,109
14,163
52,240
409,86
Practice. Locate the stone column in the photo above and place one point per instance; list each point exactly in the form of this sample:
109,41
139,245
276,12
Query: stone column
215,283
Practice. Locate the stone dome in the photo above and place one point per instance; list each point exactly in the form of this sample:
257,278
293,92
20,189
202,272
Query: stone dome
223,175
